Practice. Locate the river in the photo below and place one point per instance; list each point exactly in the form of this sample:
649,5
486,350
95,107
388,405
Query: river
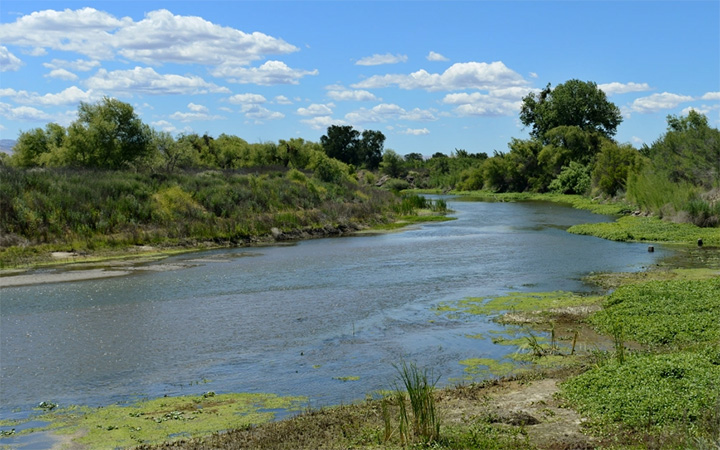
293,319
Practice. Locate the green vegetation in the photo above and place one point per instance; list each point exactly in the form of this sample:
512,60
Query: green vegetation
84,210
161,419
424,422
664,312
519,302
650,229
673,392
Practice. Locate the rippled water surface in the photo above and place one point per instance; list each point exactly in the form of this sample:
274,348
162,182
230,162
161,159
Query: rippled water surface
291,319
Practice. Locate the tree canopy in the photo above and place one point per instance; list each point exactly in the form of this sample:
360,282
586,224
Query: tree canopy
348,145
573,103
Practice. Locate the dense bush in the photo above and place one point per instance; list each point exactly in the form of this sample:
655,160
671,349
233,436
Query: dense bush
87,208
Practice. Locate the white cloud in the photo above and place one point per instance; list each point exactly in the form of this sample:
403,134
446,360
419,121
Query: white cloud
351,95
499,102
268,74
197,108
704,109
69,96
62,74
322,122
194,116
376,60
79,65
388,111
239,99
533,75
25,113
160,37
711,96
8,61
316,110
163,37
164,125
86,31
282,100
434,56
260,113
658,102
623,88
146,81
416,131
471,75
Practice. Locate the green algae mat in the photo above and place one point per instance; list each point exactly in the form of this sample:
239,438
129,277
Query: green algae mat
158,420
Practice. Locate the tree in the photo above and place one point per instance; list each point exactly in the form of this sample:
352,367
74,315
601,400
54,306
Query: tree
371,152
689,151
107,134
392,164
341,142
346,144
573,103
613,165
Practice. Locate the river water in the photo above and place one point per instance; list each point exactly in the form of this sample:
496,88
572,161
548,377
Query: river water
293,319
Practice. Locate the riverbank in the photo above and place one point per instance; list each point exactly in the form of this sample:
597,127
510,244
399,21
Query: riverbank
63,266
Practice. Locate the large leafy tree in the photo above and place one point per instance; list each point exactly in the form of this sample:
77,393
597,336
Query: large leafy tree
107,134
574,103
689,151
346,144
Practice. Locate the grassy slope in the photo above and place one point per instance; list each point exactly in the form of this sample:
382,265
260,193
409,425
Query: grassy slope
42,211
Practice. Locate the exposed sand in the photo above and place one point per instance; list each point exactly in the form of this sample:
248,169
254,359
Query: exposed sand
61,276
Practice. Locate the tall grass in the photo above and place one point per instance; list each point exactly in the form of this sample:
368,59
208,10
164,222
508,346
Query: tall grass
420,387
84,209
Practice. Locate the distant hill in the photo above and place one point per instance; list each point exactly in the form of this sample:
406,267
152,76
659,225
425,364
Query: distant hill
6,145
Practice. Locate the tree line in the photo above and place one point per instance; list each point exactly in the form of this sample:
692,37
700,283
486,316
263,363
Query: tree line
570,149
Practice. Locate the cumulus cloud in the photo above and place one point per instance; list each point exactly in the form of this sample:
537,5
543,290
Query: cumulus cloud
499,102
270,73
69,96
164,125
711,96
623,88
282,100
359,95
471,75
434,56
376,60
160,37
163,37
322,122
62,74
8,61
197,112
197,108
316,110
86,31
388,111
260,113
658,102
25,113
704,109
240,99
415,131
148,81
79,65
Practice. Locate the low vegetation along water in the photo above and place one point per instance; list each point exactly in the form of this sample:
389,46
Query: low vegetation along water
325,319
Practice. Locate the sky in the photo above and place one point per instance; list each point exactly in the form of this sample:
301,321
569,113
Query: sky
432,76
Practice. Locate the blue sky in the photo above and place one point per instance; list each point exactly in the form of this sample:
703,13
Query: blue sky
433,76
